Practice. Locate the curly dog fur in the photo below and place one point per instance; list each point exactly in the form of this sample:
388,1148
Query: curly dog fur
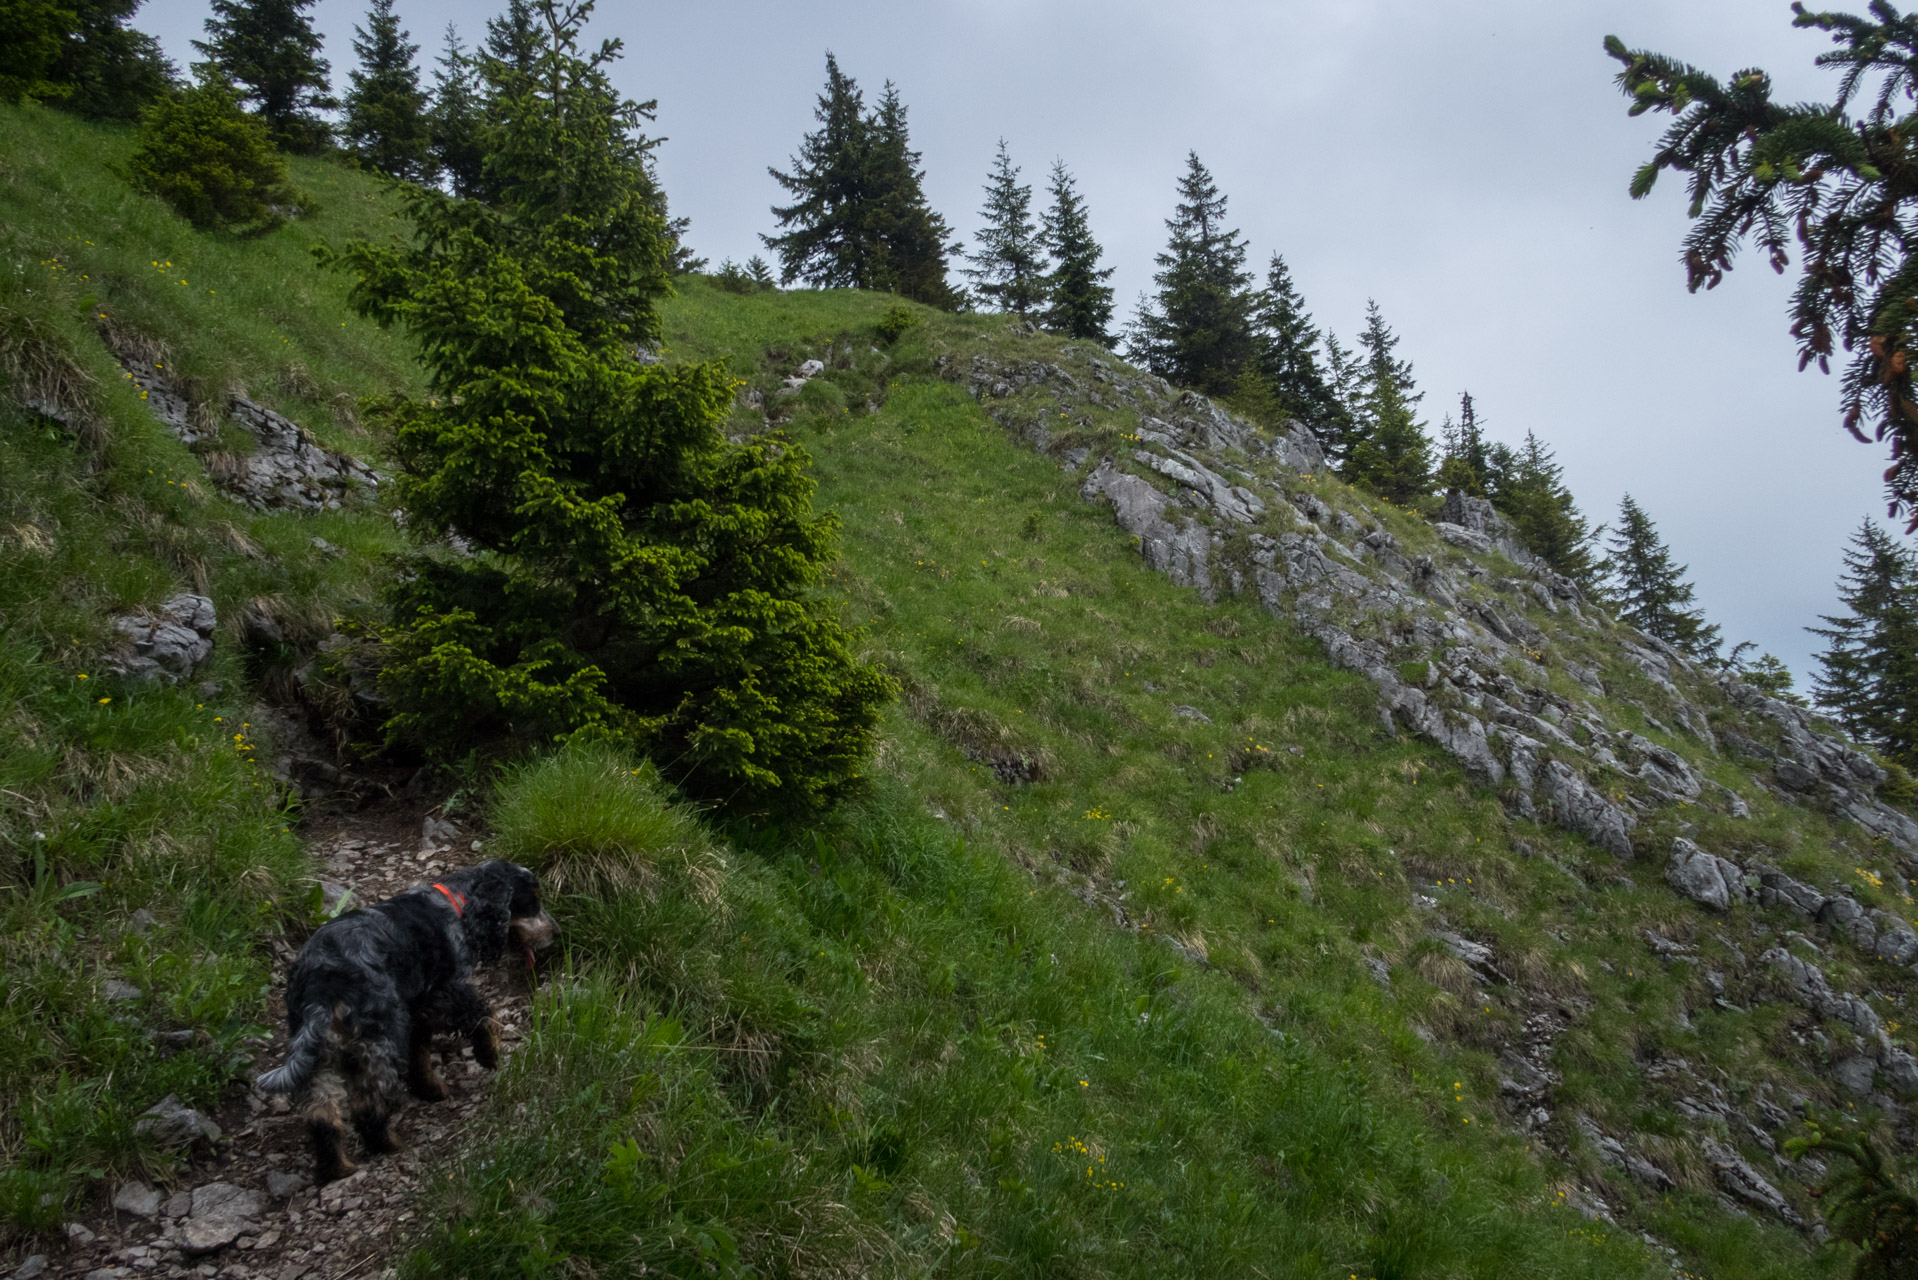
371,989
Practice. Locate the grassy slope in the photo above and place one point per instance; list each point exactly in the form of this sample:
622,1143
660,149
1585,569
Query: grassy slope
149,794
900,1045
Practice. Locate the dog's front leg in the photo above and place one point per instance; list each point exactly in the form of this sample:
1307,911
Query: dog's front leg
461,1009
422,1080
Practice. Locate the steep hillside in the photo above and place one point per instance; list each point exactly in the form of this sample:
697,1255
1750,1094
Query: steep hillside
1253,879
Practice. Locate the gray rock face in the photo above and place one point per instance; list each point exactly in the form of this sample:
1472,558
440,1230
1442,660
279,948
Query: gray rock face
164,645
172,1124
1776,889
1181,552
1745,1183
138,1199
1710,881
221,1214
286,470
32,1269
1577,806
1805,984
1857,1074
1894,941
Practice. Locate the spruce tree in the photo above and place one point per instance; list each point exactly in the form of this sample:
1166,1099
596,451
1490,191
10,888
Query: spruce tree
1345,376
1468,463
910,242
826,243
1868,674
760,272
1531,493
106,69
457,119
268,48
31,37
1389,451
386,124
1079,299
1287,343
639,577
1651,591
513,37
1197,331
1006,264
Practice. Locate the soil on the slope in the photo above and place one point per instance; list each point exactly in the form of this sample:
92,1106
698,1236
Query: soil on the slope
354,1229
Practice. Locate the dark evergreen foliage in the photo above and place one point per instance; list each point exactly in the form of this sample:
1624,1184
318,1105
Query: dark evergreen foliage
1527,486
210,160
910,242
1868,673
387,125
1650,590
513,37
860,219
1867,1201
268,48
1839,186
456,121
639,576
1007,267
1768,674
1286,344
1388,450
1345,376
106,69
33,32
1468,463
761,272
1079,301
1197,330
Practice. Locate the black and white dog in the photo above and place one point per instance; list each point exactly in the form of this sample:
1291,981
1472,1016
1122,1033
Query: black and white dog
371,988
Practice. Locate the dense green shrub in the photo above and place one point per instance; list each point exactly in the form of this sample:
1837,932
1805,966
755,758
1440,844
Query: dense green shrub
893,325
638,575
210,160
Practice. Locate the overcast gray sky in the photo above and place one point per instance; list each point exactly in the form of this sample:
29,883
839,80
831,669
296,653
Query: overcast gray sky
1464,164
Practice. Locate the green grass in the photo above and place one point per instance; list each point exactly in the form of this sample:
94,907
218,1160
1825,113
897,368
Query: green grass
116,800
912,1040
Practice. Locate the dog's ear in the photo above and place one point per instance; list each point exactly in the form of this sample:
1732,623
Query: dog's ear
488,914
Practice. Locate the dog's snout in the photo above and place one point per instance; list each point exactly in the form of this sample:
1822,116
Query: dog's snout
537,932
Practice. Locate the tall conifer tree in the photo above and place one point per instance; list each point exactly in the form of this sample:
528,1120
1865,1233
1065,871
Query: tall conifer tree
644,579
457,118
1530,491
1287,348
1389,452
860,219
105,68
1197,330
268,48
826,241
1006,260
910,240
513,37
1080,300
1651,591
386,122
1345,376
1868,673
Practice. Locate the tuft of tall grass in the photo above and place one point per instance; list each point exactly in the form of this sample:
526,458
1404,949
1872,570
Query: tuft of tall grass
593,820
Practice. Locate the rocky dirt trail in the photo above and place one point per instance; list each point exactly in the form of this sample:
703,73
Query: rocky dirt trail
243,1205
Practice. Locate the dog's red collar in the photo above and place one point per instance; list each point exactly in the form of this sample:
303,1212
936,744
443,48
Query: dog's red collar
458,900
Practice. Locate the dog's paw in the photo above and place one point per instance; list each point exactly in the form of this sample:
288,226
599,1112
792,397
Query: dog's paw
486,1043
430,1089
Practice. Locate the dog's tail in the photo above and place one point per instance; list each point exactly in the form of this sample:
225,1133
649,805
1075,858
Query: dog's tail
301,1056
